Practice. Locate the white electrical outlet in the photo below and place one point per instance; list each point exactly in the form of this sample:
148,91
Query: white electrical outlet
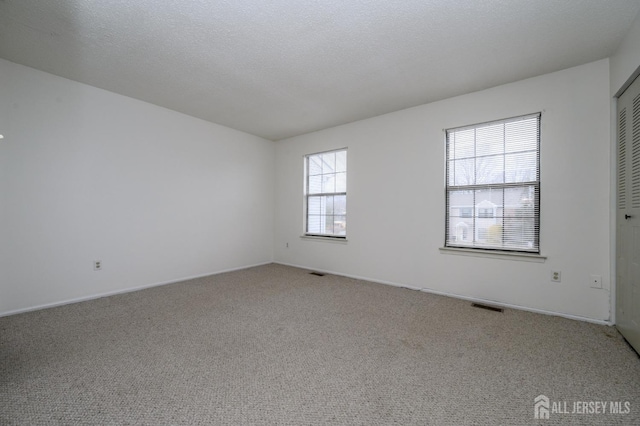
97,265
556,276
596,281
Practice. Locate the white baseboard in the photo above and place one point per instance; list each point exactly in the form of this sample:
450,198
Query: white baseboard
458,296
122,291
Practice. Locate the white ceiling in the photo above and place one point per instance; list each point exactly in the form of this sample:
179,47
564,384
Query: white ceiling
279,68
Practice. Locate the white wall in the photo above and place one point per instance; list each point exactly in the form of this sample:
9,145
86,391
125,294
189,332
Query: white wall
396,196
156,195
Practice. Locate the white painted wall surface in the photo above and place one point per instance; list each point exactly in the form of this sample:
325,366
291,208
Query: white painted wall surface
156,195
396,196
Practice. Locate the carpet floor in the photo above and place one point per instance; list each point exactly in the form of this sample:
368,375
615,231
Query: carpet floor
276,345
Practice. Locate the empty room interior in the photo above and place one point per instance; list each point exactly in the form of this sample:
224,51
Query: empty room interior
299,212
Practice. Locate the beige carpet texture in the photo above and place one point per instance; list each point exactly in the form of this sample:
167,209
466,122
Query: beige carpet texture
275,345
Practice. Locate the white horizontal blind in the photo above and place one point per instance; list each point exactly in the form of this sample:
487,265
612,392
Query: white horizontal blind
493,185
326,194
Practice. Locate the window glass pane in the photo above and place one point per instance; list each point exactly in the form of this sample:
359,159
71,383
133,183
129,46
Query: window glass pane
315,184
329,162
519,233
463,145
460,217
521,167
519,202
341,182
315,165
461,203
489,140
314,224
341,161
465,212
328,224
464,172
486,213
490,170
329,183
314,205
488,236
451,173
340,204
328,204
340,224
322,205
461,232
493,237
490,198
521,135
488,221
451,151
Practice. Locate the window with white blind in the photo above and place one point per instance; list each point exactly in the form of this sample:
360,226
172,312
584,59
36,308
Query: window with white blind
326,194
493,185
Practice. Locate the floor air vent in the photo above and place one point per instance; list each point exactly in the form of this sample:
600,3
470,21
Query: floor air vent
317,274
487,307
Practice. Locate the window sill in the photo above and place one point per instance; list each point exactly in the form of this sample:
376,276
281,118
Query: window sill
337,240
505,255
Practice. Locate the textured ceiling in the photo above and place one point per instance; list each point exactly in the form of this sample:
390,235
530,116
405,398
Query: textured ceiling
280,68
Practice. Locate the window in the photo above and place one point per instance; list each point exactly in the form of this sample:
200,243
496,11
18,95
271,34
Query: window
485,213
466,211
494,168
326,194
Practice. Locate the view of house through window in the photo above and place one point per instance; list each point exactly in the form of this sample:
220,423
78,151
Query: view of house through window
326,193
493,185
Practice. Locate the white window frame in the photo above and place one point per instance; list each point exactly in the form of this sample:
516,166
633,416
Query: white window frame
451,231
310,193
